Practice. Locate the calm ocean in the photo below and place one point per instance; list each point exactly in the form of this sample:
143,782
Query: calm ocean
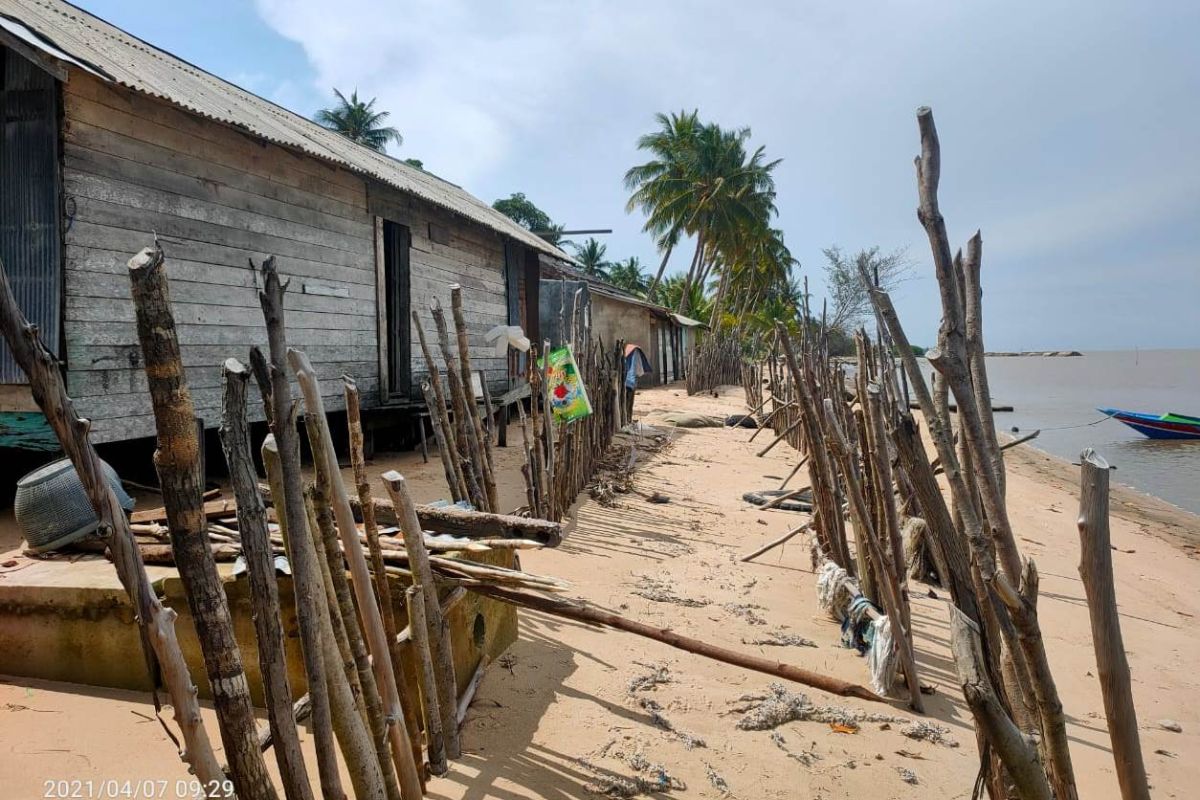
1061,395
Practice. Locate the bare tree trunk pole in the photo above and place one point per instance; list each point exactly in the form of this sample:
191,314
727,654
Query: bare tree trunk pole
317,610
893,600
441,436
777,542
177,460
1018,753
282,449
1095,569
346,704
157,622
464,365
399,737
264,591
468,441
356,663
459,484
419,633
438,629
382,587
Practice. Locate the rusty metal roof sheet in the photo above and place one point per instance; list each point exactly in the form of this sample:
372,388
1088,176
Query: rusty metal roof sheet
124,59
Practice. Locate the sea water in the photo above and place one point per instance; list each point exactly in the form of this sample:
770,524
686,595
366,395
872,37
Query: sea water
1060,396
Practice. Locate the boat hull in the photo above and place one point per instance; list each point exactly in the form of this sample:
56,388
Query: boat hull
1167,426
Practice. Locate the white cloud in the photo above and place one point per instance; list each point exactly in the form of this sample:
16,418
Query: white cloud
1063,125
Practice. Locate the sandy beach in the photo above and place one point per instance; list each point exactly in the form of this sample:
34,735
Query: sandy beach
571,711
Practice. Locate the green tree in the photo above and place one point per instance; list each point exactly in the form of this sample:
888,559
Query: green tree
521,210
655,185
590,256
671,295
848,299
359,122
703,183
628,275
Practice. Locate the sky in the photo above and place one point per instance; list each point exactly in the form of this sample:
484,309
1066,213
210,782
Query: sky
1070,130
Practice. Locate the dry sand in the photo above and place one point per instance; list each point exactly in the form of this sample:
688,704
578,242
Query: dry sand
561,716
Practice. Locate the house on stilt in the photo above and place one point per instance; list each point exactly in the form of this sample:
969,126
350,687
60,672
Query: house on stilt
109,141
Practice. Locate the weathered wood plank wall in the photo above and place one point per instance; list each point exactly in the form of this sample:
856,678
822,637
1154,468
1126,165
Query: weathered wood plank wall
473,257
135,166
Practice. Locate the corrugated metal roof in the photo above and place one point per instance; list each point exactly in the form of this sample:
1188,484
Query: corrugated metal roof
130,62
600,286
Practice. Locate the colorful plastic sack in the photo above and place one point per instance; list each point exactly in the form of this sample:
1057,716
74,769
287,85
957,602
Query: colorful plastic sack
568,395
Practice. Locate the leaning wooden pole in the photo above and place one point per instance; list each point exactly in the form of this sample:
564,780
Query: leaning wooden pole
156,620
436,625
398,735
1096,571
464,365
383,589
419,633
264,591
288,496
177,460
597,616
458,487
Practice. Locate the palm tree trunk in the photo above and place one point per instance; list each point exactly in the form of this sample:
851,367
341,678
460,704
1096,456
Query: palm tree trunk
658,277
697,260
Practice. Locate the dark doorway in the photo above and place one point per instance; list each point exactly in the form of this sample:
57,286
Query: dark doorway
30,240
396,243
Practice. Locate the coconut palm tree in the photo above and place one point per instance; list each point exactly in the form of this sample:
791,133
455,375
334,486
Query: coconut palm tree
656,184
359,122
671,294
702,183
590,256
628,275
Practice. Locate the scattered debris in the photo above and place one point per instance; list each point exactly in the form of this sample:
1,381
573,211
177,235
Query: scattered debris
780,706
907,775
780,639
747,611
649,779
508,661
838,727
658,674
715,779
662,591
1160,751
928,732
655,709
805,757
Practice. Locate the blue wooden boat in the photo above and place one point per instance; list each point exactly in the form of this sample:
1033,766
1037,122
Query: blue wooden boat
1164,426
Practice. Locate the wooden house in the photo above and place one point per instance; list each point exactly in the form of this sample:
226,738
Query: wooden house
664,336
109,141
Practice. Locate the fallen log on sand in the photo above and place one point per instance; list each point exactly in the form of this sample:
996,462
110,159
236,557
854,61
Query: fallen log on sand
597,616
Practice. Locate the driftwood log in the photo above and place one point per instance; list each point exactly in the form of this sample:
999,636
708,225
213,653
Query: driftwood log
177,460
597,616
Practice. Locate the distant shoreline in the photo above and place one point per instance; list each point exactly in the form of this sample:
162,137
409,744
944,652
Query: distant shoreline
1034,353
